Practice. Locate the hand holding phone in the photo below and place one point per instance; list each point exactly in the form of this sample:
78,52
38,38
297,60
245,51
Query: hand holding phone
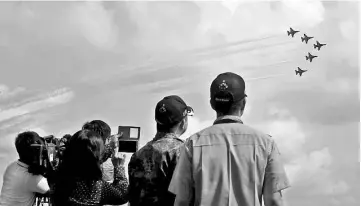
114,142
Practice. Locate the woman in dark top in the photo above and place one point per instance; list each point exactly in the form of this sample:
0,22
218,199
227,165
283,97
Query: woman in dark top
79,179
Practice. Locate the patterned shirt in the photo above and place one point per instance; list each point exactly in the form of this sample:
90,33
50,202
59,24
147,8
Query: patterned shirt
150,170
228,164
108,151
99,192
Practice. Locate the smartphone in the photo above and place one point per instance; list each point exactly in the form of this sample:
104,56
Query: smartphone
128,142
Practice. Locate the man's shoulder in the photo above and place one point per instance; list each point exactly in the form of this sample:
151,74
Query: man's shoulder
167,144
141,152
239,129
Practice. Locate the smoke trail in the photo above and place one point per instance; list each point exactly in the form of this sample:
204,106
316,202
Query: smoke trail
194,59
230,44
255,68
242,50
264,77
201,51
192,56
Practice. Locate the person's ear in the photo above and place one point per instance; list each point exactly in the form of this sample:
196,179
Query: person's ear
212,103
182,123
244,103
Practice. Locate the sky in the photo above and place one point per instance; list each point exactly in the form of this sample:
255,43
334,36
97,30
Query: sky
65,63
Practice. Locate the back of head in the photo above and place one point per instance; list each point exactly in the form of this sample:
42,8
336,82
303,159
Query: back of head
227,93
171,115
100,127
23,142
81,159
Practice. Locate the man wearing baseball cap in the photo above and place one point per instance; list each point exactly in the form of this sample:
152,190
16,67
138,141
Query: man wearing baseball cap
229,163
151,168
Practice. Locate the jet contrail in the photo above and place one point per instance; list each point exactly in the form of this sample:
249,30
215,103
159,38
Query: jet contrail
242,50
201,51
192,54
253,68
228,45
215,55
264,77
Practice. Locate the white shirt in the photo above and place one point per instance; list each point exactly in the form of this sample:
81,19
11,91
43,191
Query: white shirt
108,170
19,186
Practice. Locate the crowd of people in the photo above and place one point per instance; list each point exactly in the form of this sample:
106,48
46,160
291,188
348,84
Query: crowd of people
225,164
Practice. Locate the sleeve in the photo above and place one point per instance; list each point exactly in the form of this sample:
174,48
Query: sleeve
38,184
116,193
182,184
275,174
107,153
132,190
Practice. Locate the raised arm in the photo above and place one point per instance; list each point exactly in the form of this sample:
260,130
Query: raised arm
111,147
116,193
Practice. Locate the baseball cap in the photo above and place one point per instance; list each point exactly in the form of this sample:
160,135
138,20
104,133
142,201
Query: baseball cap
171,110
227,88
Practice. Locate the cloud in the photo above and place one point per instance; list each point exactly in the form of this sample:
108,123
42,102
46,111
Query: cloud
54,98
304,167
195,125
6,92
133,48
95,23
40,131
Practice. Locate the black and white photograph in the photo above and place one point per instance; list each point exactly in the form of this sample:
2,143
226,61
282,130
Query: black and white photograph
180,103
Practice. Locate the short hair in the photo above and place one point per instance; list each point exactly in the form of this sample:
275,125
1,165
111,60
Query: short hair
23,145
100,127
169,128
233,108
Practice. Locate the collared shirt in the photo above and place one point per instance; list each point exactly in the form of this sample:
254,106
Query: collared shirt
228,164
19,186
150,170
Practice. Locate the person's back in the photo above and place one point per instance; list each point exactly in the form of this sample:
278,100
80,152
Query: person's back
19,185
229,163
151,168
79,177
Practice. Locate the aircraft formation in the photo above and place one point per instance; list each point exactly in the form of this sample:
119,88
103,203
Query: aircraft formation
309,56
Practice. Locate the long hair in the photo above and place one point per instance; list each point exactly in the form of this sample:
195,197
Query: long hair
81,162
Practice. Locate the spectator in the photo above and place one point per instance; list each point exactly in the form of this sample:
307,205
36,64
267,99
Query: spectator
229,163
79,180
23,178
103,129
150,169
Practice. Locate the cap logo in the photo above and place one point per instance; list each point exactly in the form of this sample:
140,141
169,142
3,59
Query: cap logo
223,85
162,109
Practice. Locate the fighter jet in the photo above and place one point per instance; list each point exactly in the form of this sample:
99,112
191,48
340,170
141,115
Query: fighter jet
310,57
306,38
318,45
291,32
300,71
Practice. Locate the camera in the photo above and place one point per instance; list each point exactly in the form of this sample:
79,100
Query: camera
128,142
48,154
